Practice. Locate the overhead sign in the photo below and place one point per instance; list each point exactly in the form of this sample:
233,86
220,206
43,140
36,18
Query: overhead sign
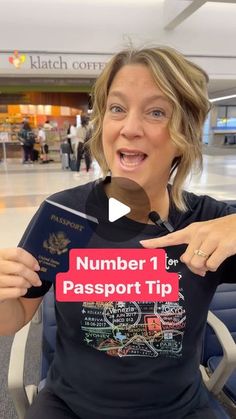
26,63
31,63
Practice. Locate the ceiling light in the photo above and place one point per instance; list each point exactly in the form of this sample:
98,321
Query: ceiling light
216,99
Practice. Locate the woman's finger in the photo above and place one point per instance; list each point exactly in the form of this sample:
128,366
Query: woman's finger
18,269
20,255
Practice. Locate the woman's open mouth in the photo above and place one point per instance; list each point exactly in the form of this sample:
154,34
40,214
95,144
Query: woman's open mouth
131,159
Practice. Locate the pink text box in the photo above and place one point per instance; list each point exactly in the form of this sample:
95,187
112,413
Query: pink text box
117,275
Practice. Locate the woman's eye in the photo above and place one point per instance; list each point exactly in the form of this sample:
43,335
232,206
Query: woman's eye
115,109
157,113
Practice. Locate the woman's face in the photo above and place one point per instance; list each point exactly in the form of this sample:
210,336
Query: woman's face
136,139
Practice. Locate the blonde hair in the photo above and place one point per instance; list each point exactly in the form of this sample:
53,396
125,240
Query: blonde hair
185,84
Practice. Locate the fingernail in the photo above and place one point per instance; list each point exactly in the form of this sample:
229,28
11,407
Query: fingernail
37,267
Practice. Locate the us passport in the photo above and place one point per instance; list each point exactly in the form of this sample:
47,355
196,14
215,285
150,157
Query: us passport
54,230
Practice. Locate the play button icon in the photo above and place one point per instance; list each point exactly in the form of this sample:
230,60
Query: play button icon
117,209
121,207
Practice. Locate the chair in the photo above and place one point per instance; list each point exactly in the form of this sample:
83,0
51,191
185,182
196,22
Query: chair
49,334
220,364
23,396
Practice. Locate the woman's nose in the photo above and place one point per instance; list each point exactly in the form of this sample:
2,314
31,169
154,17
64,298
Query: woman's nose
132,125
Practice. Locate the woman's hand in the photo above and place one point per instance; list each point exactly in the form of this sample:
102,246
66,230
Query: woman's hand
209,243
17,273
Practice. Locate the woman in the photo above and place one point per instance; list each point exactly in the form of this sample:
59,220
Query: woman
149,109
42,139
83,134
27,138
73,138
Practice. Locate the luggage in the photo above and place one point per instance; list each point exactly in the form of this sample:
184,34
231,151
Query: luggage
73,165
35,155
65,153
65,161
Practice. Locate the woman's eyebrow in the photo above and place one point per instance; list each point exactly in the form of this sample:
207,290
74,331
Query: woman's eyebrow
121,95
159,97
118,94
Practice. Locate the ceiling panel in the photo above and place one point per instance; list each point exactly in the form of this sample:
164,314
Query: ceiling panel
109,25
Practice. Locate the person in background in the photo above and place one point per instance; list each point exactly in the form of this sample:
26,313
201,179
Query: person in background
84,134
73,138
87,152
43,145
26,137
69,139
74,144
135,360
47,125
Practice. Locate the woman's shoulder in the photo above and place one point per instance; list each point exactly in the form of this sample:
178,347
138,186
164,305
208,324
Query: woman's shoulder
72,193
208,206
198,208
74,198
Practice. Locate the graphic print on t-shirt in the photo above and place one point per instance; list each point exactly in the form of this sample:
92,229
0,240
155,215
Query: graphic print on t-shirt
147,329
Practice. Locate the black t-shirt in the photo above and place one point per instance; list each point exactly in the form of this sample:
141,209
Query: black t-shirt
111,361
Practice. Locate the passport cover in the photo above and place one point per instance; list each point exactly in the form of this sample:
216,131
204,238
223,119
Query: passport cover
55,230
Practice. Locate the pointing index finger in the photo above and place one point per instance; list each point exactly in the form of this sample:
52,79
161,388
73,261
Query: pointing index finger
172,239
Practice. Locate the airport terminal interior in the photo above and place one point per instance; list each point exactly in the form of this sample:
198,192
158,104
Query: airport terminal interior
51,53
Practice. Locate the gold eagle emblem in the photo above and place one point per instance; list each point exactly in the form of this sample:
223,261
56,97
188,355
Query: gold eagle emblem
56,243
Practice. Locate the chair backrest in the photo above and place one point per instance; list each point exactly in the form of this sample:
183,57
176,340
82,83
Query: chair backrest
49,332
223,305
